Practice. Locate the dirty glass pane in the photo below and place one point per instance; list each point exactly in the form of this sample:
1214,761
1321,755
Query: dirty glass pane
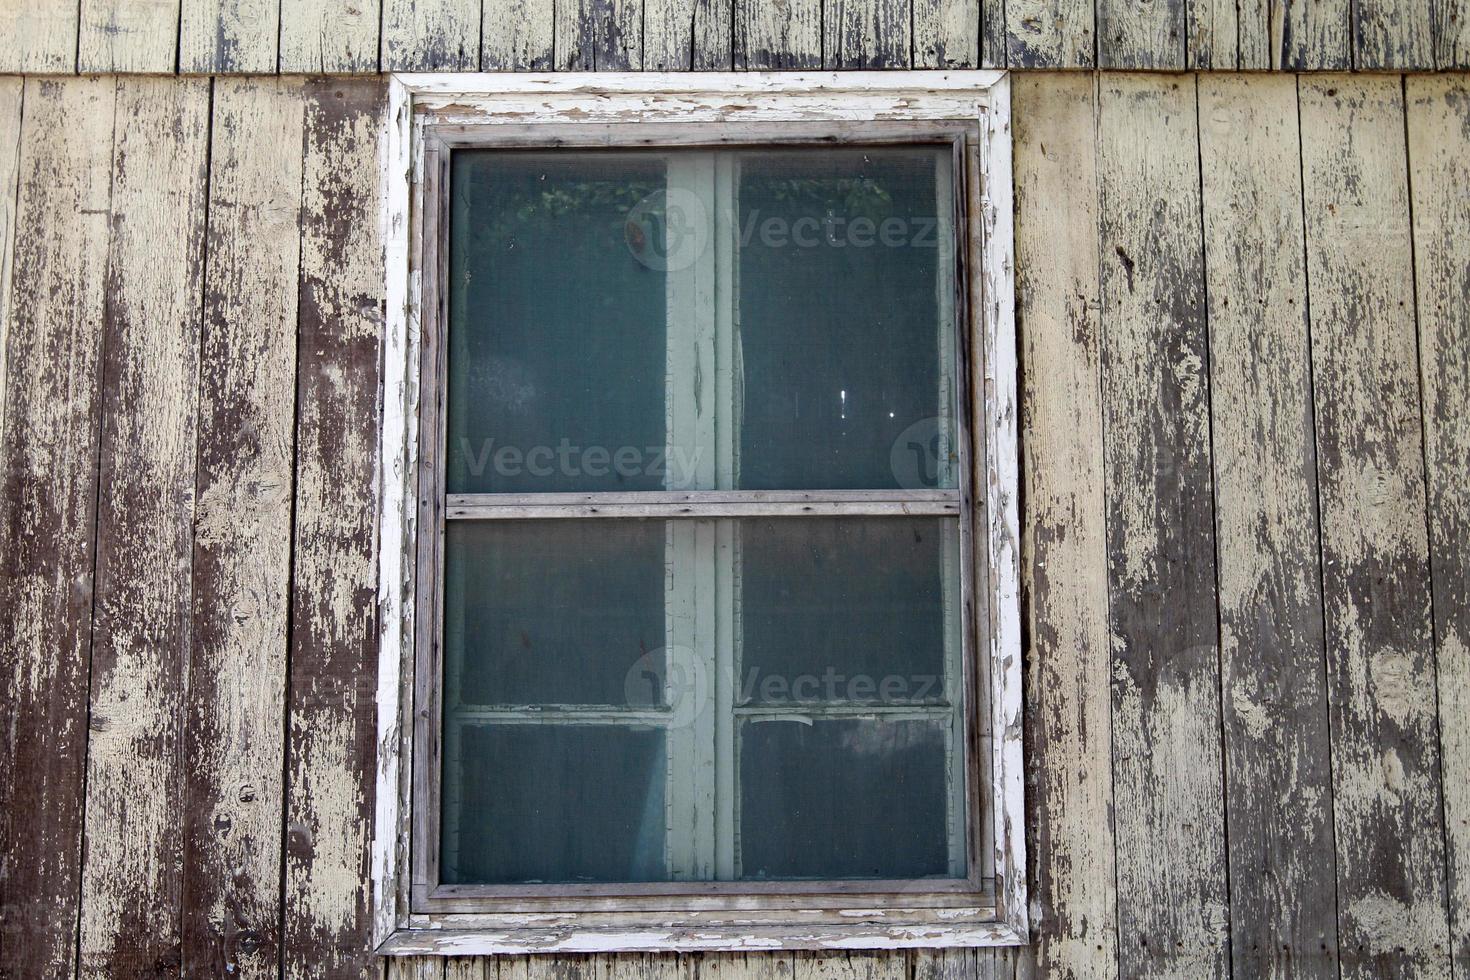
842,277
556,328
848,609
843,798
553,612
554,803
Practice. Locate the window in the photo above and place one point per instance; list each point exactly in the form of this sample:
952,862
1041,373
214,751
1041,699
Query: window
701,480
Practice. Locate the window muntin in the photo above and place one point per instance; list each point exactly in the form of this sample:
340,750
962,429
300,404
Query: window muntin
700,351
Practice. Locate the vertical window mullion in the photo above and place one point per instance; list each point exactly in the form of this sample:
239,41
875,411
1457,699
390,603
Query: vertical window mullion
725,248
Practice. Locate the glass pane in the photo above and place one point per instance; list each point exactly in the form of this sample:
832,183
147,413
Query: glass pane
843,798
848,609
845,312
556,328
563,803
554,612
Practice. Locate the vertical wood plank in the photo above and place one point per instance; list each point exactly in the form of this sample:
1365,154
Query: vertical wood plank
1065,563
1166,699
516,35
1141,34
48,464
741,966
866,34
1278,759
228,36
778,34
1253,29
470,968
1450,31
1393,34
946,33
235,720
1375,554
38,36
1214,31
12,89
687,35
332,723
145,521
1050,34
332,36
993,33
431,35
1310,35
880,965
128,36
415,968
599,35
1439,160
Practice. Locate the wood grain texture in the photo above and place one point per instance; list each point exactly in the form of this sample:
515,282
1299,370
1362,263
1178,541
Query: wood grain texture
1253,33
1168,798
430,35
778,34
331,36
1050,34
687,35
1450,30
38,36
1310,35
1439,162
1135,34
1064,565
850,966
516,35
228,36
128,36
1375,555
235,721
1277,753
946,33
48,465
866,34
145,525
12,95
1392,34
332,724
599,35
1213,32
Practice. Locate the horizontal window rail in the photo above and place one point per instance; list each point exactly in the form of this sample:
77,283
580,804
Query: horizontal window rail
705,504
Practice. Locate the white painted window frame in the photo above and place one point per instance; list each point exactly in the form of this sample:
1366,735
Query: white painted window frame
981,97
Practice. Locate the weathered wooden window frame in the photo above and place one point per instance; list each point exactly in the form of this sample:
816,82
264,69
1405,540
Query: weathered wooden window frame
429,113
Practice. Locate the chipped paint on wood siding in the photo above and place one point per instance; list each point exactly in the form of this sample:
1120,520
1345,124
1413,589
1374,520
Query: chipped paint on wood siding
1141,34
946,33
332,724
431,35
228,36
1439,161
598,35
235,721
1282,886
48,463
12,90
38,36
1069,790
687,35
516,35
1392,34
866,34
145,523
1375,553
1050,34
777,34
128,36
1168,795
335,36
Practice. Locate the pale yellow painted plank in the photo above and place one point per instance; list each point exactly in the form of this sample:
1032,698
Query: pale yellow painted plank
1135,34
1065,562
228,36
517,35
776,34
1213,34
1050,34
431,35
38,36
128,36
1393,34
686,35
12,90
1439,161
1310,36
332,36
1375,553
946,33
599,35
866,34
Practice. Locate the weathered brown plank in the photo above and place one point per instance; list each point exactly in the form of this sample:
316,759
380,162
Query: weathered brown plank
1310,35
128,36
471,968
1050,34
1393,34
1065,562
431,35
331,716
334,36
1439,161
599,35
145,524
1213,33
516,35
235,720
415,968
1375,554
992,33
1141,34
38,36
228,36
1277,755
12,89
778,34
946,33
686,35
48,465
866,34
1166,711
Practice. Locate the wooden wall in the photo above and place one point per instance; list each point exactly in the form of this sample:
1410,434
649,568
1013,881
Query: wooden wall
350,36
1245,337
